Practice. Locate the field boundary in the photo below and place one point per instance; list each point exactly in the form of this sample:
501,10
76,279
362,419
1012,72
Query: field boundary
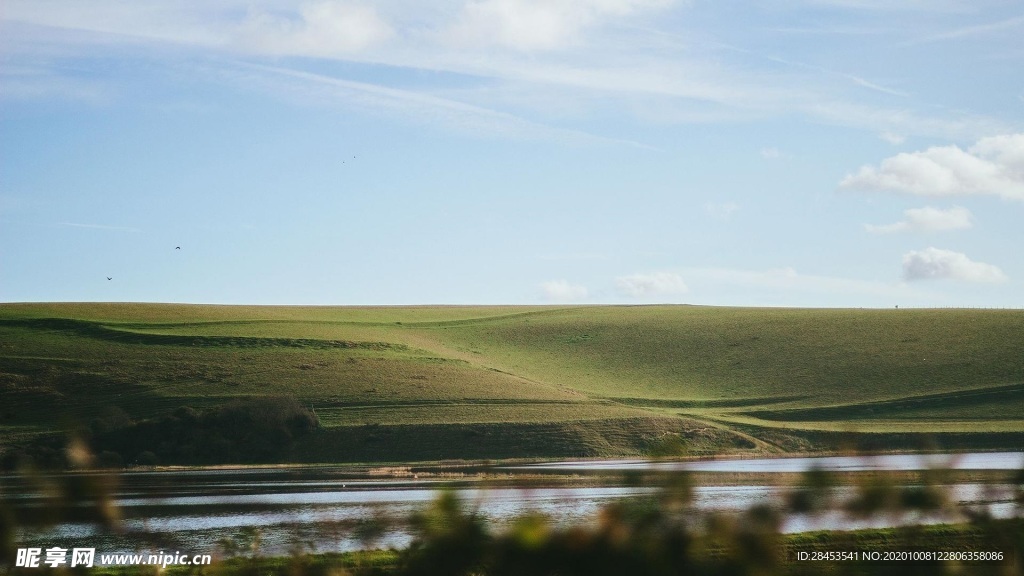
877,409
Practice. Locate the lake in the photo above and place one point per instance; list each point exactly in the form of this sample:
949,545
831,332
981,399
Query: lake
316,508
891,462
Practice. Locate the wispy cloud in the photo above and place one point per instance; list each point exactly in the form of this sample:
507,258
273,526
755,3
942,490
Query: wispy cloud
954,6
531,25
723,210
655,284
975,30
927,219
563,291
937,264
892,137
854,78
415,106
833,30
874,86
37,83
561,256
99,227
568,50
188,23
788,280
904,121
326,28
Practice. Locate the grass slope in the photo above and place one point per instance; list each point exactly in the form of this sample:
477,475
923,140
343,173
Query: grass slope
750,375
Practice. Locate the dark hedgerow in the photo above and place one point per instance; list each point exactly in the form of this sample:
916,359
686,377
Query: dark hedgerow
249,430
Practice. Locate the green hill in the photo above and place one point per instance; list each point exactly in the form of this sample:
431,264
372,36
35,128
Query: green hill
529,381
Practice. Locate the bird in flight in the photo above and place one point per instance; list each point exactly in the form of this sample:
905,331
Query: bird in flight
109,278
177,247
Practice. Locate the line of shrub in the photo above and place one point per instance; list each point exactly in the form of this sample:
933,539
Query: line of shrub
255,430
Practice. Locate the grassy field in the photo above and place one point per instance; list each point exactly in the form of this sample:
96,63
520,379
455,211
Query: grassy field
531,381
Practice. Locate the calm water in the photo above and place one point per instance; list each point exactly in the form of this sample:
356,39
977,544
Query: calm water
893,462
313,509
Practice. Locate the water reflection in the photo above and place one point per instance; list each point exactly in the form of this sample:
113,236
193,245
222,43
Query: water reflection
315,509
890,462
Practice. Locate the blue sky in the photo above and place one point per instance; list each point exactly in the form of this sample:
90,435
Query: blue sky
838,153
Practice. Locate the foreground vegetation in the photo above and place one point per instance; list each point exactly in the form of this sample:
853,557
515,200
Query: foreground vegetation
425,383
729,552
663,534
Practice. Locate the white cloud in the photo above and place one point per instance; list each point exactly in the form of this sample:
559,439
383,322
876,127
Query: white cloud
325,28
723,210
992,166
770,153
656,284
638,58
927,219
892,137
934,263
563,291
529,25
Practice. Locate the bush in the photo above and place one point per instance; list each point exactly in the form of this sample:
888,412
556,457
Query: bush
249,430
109,459
110,418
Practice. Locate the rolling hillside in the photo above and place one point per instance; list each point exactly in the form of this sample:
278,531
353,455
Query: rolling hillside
529,381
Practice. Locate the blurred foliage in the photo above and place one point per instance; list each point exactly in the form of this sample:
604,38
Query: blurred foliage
80,498
661,534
